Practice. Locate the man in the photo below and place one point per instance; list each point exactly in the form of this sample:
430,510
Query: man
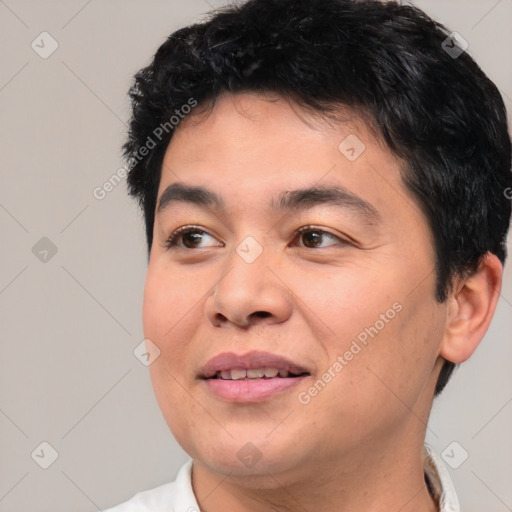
324,189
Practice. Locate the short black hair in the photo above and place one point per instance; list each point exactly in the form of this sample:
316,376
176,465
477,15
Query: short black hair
435,109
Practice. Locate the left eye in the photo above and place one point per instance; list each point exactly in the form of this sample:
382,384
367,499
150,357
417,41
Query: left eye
189,237
313,236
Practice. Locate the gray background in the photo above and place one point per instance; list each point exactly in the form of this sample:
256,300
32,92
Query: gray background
69,325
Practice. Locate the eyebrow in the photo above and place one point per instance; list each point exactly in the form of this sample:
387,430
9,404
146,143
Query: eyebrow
290,200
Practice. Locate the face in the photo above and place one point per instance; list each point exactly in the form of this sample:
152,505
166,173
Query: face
339,284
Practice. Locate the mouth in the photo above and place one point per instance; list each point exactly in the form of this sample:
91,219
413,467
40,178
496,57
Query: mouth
252,365
256,374
250,378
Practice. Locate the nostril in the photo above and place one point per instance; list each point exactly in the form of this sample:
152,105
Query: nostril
261,314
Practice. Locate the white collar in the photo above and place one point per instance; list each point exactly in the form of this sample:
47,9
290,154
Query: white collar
439,481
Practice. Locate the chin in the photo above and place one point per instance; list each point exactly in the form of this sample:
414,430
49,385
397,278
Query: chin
243,455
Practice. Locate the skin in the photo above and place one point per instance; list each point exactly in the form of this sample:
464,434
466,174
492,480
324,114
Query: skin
357,445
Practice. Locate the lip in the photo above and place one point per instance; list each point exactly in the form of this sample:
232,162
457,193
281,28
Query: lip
250,360
250,390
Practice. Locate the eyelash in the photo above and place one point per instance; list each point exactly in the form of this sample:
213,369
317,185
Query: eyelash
172,240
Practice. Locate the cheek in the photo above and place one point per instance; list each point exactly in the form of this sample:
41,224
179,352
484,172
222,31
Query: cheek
398,360
155,303
387,337
343,302
168,320
171,316
169,298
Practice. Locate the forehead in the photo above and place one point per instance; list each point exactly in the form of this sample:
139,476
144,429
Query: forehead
249,143
270,114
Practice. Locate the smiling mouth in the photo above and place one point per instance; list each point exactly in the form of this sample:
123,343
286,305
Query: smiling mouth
255,374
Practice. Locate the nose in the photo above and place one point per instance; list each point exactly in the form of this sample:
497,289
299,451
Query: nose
249,293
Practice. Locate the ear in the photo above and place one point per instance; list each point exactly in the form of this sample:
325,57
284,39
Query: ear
471,308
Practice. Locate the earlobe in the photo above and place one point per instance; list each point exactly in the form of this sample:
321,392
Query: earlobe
470,310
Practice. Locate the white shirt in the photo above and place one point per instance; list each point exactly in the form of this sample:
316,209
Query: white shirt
178,496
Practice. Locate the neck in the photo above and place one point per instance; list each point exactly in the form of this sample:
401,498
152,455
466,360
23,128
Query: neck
369,480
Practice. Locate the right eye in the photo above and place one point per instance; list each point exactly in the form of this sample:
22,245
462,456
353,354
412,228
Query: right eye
188,237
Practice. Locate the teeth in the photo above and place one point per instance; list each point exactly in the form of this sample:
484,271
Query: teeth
253,373
238,374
